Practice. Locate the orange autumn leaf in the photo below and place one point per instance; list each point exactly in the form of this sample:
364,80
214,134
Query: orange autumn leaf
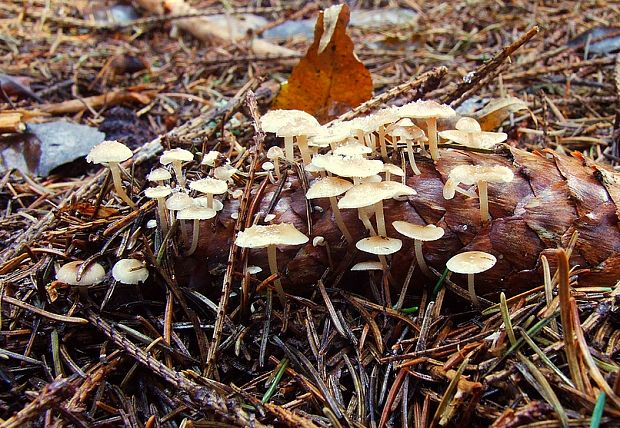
329,80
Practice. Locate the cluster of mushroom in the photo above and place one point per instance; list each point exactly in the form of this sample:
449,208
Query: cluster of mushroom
350,164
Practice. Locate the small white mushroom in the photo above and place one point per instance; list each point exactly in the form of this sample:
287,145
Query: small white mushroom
160,193
209,186
176,157
196,214
471,263
469,134
270,236
429,111
112,153
330,187
419,234
130,271
93,274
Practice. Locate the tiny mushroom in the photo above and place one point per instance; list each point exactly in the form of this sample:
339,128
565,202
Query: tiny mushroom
390,169
348,166
274,154
176,202
270,236
93,274
330,187
112,153
429,111
292,124
480,176
159,176
195,213
468,133
419,234
367,194
176,157
160,193
130,271
367,266
209,186
404,134
380,246
210,158
471,263
380,120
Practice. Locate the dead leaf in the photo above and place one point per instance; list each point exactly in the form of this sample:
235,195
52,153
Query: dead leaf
497,110
330,79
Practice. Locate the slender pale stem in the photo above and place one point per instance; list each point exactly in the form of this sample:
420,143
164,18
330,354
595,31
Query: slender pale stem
163,217
273,267
184,234
115,169
210,200
339,220
484,201
419,256
177,166
472,290
276,164
431,124
366,221
381,231
195,233
288,149
410,155
302,143
381,133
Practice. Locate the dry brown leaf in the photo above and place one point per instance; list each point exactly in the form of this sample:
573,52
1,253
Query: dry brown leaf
330,79
498,110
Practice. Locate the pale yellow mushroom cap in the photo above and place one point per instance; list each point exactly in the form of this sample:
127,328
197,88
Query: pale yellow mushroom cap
209,185
159,174
225,172
177,154
429,232
203,201
157,192
285,123
94,274
210,158
468,133
178,201
352,148
367,265
196,212
328,187
379,245
366,194
426,109
258,236
348,166
471,174
109,151
471,262
130,271
393,169
327,136
384,116
275,152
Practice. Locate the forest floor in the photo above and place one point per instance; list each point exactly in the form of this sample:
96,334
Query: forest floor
167,354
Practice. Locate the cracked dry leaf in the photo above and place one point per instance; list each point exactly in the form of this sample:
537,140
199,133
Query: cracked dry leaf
330,79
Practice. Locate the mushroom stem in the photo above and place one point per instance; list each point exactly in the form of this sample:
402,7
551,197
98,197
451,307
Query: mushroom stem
210,200
381,132
419,256
366,221
115,169
339,220
472,291
163,217
195,233
288,149
431,124
381,231
184,233
276,164
273,267
178,172
411,157
484,201
302,143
